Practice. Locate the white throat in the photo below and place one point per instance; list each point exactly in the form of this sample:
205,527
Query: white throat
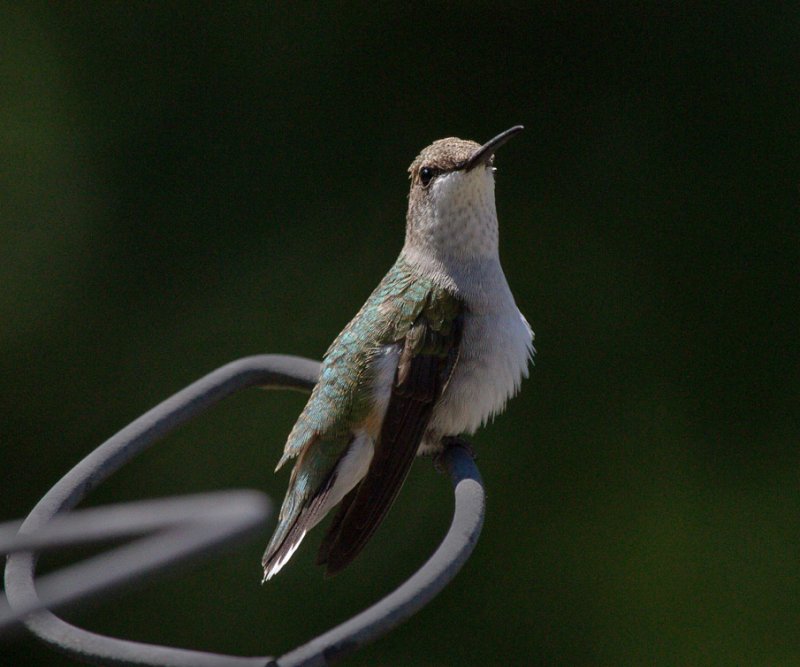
457,221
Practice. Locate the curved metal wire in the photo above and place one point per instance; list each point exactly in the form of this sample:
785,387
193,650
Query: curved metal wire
31,599
175,529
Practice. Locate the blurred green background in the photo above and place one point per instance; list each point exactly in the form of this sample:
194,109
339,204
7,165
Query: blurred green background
186,184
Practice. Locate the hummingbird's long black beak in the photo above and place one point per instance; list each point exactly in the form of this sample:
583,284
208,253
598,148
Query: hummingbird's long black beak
485,152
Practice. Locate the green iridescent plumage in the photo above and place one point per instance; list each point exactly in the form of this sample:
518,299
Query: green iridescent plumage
343,398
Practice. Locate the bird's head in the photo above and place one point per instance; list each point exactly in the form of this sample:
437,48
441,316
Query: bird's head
451,209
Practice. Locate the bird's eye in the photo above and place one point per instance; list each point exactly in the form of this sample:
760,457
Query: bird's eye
426,174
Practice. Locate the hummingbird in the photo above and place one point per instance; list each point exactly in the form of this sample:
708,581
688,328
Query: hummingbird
437,349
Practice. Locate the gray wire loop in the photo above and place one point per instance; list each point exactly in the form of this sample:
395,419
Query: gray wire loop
175,528
51,524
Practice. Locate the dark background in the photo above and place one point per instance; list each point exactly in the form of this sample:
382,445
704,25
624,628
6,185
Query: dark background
183,185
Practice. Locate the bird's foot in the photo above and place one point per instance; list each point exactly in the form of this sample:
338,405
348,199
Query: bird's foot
448,442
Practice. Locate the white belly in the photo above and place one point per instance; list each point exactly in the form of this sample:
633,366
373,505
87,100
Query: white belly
495,351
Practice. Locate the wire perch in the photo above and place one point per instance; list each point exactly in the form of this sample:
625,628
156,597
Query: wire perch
51,524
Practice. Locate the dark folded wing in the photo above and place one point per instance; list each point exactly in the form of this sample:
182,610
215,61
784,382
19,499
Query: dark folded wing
429,354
